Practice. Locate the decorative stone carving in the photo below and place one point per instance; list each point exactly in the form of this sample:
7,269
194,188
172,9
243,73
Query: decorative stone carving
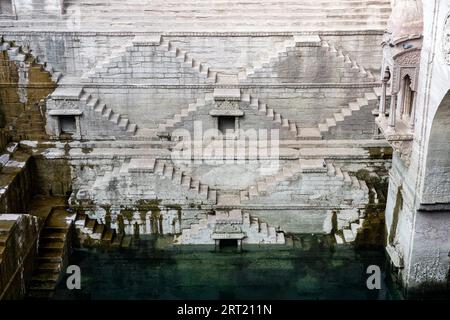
400,141
446,40
406,63
227,108
403,149
227,105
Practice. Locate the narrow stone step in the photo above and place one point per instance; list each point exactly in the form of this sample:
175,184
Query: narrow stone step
339,173
244,195
331,169
203,190
168,171
141,165
212,196
355,182
347,178
339,239
186,181
354,106
159,167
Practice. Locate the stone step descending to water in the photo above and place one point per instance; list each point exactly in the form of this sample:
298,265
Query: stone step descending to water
230,224
54,248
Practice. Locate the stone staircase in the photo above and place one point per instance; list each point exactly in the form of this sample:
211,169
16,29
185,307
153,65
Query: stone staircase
278,51
115,55
99,233
53,251
21,54
233,16
232,224
107,114
161,43
349,70
334,170
348,61
203,68
348,110
261,187
278,121
92,105
162,168
169,125
348,233
265,186
286,125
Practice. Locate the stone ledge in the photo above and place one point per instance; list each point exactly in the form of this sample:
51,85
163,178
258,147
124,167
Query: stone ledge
307,41
227,94
196,34
65,112
67,93
237,86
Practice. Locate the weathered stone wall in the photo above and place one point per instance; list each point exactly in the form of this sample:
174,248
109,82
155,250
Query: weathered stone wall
145,80
417,223
311,104
19,241
75,53
24,86
17,187
52,177
149,105
363,48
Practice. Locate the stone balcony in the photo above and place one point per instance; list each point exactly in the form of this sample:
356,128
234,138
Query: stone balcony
400,136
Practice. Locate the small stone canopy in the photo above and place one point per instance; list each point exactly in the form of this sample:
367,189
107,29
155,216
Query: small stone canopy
406,19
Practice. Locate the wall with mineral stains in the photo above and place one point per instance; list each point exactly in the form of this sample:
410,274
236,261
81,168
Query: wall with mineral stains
23,87
16,185
18,248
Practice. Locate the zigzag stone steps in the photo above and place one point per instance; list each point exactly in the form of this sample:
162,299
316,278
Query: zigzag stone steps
95,104
169,125
166,170
288,172
348,110
348,61
232,224
16,53
279,120
99,232
158,41
262,70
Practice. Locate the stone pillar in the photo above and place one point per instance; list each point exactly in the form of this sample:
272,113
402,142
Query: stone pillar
382,110
393,111
413,111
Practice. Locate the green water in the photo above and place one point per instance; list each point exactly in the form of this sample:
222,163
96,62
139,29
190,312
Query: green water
146,272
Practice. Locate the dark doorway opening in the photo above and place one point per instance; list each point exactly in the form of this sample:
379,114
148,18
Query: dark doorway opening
228,245
227,125
68,124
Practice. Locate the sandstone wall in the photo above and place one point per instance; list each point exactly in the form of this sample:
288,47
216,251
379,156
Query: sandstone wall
17,257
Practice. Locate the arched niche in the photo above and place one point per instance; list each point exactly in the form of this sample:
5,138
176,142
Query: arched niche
437,170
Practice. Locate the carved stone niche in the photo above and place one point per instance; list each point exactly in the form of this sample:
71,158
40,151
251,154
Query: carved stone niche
406,63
